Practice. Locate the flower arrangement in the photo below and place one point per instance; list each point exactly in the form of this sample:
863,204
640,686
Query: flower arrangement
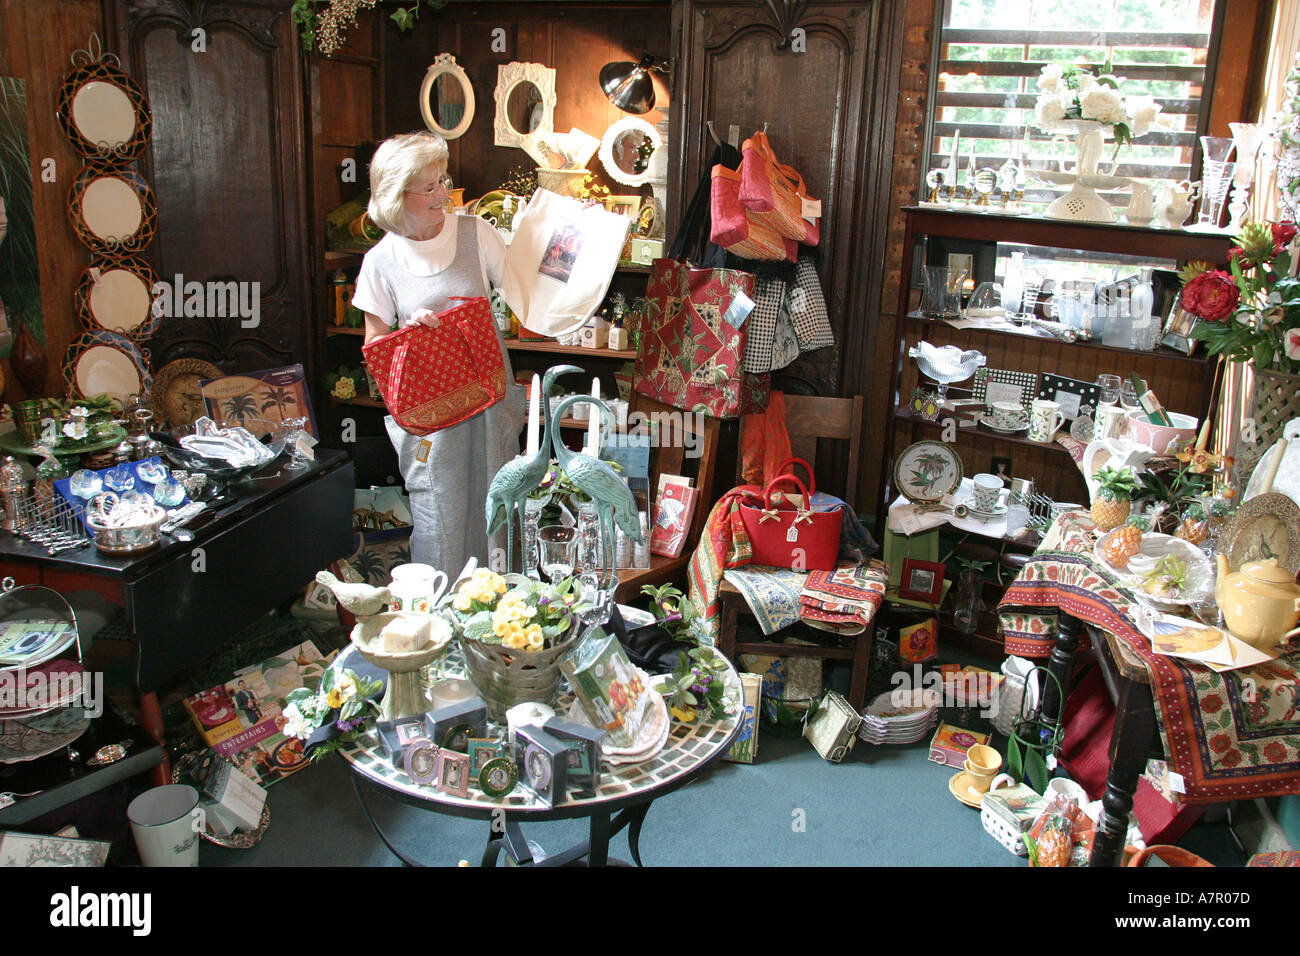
347,383
1073,93
323,24
530,616
697,681
345,698
1252,312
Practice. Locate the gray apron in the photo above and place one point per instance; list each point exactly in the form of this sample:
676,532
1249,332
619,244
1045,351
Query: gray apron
447,473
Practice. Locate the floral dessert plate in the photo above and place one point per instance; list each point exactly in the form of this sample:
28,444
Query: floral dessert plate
927,470
30,738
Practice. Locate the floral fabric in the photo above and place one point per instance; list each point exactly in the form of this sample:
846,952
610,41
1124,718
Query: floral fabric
1230,736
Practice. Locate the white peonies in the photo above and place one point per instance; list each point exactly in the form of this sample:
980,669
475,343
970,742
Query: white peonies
1072,93
1103,104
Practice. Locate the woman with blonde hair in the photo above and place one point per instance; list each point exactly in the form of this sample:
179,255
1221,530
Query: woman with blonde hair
426,258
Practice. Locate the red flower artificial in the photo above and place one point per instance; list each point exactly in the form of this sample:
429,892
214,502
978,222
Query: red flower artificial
1283,233
1212,296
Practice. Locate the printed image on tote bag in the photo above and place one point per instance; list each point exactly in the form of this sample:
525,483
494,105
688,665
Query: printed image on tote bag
561,252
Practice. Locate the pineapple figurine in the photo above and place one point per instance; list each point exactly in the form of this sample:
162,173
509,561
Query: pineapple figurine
1110,506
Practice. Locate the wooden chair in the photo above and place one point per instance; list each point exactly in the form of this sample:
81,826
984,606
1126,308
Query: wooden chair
810,421
676,430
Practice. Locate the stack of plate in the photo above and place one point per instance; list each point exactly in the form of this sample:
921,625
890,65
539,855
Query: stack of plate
899,717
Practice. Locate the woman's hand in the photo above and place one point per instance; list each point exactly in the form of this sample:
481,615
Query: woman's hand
424,317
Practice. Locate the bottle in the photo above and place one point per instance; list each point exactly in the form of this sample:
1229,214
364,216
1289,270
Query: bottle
618,339
1156,413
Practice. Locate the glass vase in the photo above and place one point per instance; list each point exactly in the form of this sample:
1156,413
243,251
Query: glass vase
589,553
532,518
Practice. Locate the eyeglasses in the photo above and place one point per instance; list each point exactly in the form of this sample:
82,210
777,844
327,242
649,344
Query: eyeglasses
444,183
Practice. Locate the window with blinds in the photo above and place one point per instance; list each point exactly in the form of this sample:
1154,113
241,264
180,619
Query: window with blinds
990,55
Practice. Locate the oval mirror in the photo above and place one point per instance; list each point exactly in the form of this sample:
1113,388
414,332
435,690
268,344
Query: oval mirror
627,149
524,108
446,98
525,101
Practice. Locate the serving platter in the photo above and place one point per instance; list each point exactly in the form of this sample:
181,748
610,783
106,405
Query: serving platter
30,738
118,298
101,362
101,110
176,397
927,471
112,211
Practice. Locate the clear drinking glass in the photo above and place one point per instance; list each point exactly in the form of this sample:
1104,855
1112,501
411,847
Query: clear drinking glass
291,430
556,545
1109,385
1128,396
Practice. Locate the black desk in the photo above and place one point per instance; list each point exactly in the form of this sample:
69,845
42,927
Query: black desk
184,600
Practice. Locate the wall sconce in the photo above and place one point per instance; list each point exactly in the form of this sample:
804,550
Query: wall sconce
629,86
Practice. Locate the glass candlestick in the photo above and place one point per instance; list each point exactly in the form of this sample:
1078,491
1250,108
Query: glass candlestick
532,518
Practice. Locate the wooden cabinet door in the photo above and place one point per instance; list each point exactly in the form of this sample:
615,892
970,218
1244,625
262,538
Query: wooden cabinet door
829,112
226,164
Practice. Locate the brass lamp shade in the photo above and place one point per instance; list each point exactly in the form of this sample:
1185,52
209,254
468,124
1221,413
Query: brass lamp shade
628,85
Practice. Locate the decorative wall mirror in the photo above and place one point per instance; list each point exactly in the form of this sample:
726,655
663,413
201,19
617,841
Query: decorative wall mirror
112,211
102,112
446,98
119,298
626,150
525,99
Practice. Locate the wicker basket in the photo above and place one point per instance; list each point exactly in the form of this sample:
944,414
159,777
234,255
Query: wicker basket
1011,838
505,677
1277,401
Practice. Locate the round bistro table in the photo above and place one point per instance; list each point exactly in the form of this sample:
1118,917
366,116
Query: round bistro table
622,801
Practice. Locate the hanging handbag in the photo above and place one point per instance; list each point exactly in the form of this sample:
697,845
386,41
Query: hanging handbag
772,343
775,194
691,353
736,229
783,535
807,308
432,378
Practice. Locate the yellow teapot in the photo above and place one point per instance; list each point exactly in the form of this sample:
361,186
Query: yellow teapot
1260,603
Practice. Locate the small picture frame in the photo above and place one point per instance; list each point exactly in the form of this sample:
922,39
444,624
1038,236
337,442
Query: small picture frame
498,777
629,206
1072,394
543,763
453,773
421,761
921,581
1005,385
397,735
1178,331
481,750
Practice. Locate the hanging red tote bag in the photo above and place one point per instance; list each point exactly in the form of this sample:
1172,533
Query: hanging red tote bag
786,536
736,229
432,378
774,193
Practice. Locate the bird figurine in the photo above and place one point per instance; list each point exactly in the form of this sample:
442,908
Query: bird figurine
514,480
614,501
362,600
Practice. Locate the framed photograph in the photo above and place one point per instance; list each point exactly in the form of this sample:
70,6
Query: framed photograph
397,735
453,773
921,581
1072,394
1178,331
629,206
481,750
1005,385
421,761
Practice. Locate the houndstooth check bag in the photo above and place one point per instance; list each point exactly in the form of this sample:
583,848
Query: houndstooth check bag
771,341
807,307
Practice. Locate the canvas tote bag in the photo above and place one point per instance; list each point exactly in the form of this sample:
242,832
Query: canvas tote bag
559,264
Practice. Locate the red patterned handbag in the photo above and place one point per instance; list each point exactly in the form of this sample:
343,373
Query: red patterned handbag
431,378
786,536
736,229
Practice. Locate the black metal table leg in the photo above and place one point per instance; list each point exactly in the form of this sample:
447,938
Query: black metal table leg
598,841
374,825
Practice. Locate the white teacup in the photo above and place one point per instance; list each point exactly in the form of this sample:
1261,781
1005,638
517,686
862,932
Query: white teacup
1007,414
1045,419
987,489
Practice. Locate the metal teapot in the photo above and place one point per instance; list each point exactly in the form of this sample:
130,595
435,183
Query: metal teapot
1260,603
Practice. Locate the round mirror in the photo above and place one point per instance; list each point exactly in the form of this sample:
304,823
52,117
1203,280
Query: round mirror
446,98
524,108
626,150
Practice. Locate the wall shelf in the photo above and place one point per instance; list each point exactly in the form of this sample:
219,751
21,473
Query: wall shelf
555,348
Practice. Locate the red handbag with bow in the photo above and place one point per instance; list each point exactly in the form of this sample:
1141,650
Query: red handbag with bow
787,534
432,378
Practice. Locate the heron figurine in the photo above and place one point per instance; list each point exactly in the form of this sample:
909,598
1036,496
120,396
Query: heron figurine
615,504
515,479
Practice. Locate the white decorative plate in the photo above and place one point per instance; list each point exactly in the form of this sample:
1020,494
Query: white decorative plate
927,470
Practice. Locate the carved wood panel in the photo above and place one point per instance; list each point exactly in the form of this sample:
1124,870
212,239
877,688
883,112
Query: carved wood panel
829,111
226,163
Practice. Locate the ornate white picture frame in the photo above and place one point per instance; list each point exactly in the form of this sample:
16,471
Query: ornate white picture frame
511,75
628,124
445,64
